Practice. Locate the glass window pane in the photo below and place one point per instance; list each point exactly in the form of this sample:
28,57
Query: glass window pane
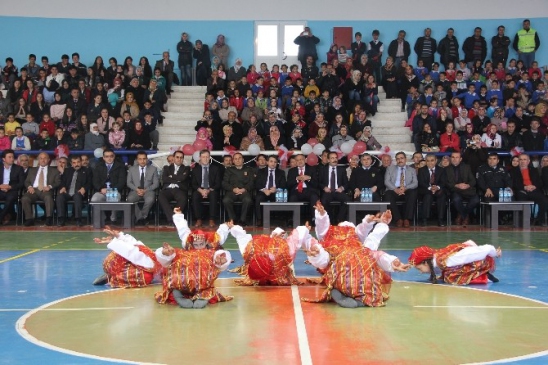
267,40
290,33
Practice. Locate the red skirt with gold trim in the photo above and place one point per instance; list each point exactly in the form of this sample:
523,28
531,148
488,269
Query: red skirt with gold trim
122,273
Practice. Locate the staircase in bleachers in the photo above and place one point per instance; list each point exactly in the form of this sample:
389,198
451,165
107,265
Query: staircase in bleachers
186,107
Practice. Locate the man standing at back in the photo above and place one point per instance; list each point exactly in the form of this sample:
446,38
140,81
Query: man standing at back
184,47
526,43
39,185
307,46
475,48
426,48
142,180
399,49
500,44
166,66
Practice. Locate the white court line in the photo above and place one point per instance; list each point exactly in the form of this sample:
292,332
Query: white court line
304,348
62,309
477,306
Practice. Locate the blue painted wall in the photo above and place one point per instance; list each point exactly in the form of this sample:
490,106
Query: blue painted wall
119,38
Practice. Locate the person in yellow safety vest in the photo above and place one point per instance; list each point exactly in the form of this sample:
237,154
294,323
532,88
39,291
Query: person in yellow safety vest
526,42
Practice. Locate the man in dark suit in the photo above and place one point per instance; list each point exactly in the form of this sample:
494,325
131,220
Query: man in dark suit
175,179
12,179
527,185
432,186
39,185
238,183
166,66
77,103
142,180
75,185
462,185
401,184
366,176
268,180
358,48
302,184
333,185
109,172
206,185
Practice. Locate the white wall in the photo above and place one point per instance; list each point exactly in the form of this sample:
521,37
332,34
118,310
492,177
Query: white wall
278,9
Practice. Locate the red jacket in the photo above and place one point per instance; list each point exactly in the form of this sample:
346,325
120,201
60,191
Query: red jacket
449,141
49,126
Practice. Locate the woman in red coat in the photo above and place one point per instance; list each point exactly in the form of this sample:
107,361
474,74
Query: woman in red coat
449,141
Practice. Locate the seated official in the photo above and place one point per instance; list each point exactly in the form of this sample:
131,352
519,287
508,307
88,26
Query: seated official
462,186
302,184
142,180
206,185
267,181
366,176
238,183
401,185
432,187
12,179
528,186
333,185
75,186
175,182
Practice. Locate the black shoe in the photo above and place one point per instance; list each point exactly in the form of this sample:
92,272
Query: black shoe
441,224
424,223
290,223
61,222
79,222
101,280
259,223
139,222
492,277
29,223
49,221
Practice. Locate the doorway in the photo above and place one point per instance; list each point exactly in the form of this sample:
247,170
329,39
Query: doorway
274,42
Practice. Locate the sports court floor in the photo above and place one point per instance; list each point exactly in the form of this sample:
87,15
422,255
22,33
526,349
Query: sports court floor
51,314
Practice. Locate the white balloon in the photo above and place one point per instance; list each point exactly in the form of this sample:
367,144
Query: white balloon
196,156
98,153
306,149
352,142
254,149
346,147
318,149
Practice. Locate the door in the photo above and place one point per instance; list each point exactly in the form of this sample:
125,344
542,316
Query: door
274,42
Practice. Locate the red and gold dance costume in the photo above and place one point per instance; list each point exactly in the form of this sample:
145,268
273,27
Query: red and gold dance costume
474,272
193,272
353,269
127,268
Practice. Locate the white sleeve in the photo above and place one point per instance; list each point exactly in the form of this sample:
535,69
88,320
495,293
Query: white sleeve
363,229
223,232
374,238
182,227
242,238
130,252
471,254
228,259
322,224
164,260
385,260
321,260
299,236
129,239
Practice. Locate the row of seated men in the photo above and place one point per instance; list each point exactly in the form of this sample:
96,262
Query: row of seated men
394,183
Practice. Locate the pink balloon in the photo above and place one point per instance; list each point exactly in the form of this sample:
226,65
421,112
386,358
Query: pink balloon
188,149
312,159
359,148
199,145
312,142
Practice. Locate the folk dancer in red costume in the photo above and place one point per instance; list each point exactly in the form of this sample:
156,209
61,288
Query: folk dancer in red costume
131,264
190,273
268,258
460,264
356,273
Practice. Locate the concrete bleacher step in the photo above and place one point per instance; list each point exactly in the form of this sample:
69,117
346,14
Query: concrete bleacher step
386,131
399,116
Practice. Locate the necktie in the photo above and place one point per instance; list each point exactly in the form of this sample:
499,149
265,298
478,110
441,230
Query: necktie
402,177
432,177
206,177
142,182
271,179
456,170
332,181
41,179
300,185
109,166
72,188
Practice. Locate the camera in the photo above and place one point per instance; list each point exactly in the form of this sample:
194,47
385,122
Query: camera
306,33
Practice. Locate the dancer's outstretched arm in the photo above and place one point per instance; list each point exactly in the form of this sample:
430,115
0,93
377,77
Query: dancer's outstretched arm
222,259
181,224
389,263
165,254
471,254
242,237
127,248
223,231
317,255
322,221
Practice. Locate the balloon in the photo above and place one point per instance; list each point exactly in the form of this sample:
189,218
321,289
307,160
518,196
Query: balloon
98,153
254,149
188,149
352,142
199,145
318,149
312,141
196,156
359,148
312,159
346,148
306,149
